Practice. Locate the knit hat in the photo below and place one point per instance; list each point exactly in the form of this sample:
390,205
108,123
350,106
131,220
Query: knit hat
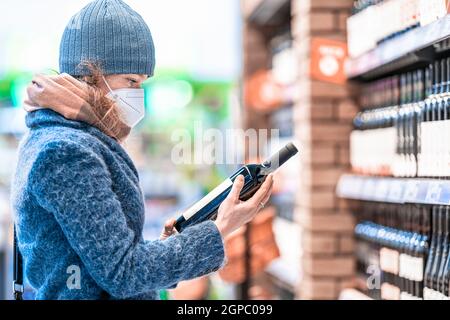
111,34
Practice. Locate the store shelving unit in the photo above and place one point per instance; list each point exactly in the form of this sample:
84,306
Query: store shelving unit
411,48
403,53
394,190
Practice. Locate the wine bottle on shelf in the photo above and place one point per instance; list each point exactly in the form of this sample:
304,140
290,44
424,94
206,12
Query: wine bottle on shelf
399,164
435,100
403,243
427,126
420,250
434,269
446,122
418,97
440,286
445,276
440,144
427,291
422,127
411,162
254,176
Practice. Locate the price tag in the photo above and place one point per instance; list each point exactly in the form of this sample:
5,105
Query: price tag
368,189
342,187
445,192
382,189
411,191
395,191
356,184
434,191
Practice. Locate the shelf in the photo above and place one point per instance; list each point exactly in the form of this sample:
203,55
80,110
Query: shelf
353,294
270,12
414,46
394,190
283,274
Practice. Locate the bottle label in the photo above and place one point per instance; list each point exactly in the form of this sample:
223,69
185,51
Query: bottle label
390,292
208,198
417,269
403,266
426,294
389,260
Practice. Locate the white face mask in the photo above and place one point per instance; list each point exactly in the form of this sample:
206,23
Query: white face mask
130,102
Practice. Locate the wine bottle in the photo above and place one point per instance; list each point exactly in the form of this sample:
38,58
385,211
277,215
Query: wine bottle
427,291
422,249
444,255
445,278
438,258
254,176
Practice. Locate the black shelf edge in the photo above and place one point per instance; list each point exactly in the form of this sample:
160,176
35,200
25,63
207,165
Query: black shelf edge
412,47
270,12
394,190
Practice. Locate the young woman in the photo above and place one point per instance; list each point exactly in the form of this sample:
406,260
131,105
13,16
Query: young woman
76,197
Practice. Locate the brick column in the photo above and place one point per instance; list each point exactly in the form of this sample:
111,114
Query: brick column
255,57
322,115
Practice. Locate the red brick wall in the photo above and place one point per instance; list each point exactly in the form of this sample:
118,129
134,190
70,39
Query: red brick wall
323,113
322,116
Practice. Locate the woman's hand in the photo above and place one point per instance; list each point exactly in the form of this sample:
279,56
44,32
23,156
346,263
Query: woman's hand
233,213
169,229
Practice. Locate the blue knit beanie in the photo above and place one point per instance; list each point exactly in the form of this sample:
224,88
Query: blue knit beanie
111,34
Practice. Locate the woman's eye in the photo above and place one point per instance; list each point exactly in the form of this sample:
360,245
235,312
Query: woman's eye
132,81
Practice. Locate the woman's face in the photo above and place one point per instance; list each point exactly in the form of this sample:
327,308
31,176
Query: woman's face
123,81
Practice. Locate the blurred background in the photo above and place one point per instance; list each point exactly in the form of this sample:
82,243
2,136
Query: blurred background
349,82
197,80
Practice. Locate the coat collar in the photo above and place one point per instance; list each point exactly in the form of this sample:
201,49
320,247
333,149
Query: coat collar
48,118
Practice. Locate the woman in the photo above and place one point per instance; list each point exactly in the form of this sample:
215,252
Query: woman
79,209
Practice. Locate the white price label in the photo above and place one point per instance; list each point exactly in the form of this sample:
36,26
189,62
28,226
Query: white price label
395,191
433,192
411,191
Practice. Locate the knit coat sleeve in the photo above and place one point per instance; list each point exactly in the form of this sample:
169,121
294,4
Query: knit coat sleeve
75,185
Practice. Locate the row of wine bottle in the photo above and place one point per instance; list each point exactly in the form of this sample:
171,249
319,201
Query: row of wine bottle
403,129
365,30
403,251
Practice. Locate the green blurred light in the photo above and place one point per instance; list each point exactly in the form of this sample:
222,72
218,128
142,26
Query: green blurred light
18,89
167,97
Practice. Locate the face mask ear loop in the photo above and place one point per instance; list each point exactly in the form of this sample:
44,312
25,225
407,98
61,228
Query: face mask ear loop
109,110
109,88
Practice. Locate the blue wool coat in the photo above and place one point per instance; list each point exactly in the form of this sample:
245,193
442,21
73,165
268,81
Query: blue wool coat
80,212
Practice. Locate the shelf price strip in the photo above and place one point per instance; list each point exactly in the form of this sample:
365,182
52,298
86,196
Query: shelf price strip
425,191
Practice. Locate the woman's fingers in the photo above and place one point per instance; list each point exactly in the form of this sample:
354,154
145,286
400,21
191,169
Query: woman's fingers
169,225
34,92
169,229
237,187
268,194
75,85
261,194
